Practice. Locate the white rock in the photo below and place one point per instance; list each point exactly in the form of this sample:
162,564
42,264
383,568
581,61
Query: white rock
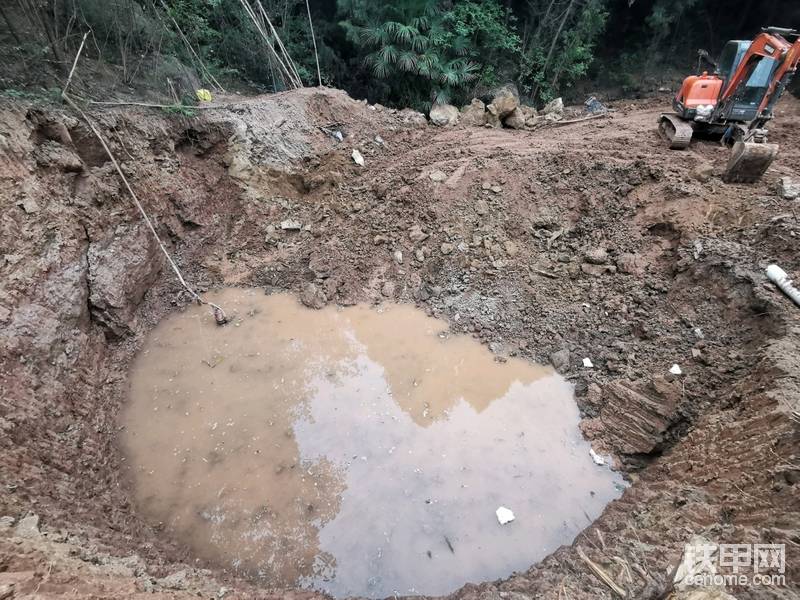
291,225
675,370
598,460
587,363
357,158
504,515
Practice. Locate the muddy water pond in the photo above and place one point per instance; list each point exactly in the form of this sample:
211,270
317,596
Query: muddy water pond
359,451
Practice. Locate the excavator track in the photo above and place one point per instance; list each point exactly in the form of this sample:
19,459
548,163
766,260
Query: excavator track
749,161
676,131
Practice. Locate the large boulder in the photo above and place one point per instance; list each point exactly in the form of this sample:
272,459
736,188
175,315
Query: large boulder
554,110
505,100
516,120
444,115
474,113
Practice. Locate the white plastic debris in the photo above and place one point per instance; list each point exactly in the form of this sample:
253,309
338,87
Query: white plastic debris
587,363
779,277
598,460
357,158
675,370
504,515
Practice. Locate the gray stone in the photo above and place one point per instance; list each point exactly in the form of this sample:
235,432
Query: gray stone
444,115
175,581
416,234
788,189
6,522
398,257
560,360
703,172
482,207
447,248
596,256
388,289
28,526
438,176
291,225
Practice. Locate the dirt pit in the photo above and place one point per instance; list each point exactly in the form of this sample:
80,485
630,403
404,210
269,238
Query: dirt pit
582,240
357,451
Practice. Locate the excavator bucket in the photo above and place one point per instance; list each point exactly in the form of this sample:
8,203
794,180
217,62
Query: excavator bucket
749,161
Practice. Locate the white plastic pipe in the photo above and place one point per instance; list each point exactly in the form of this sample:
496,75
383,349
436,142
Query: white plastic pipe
779,277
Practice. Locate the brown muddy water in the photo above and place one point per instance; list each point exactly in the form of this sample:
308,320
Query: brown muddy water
359,451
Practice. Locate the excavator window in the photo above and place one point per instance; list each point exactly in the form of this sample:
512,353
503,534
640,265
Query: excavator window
758,82
731,56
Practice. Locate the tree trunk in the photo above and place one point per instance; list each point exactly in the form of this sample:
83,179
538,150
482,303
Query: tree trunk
555,42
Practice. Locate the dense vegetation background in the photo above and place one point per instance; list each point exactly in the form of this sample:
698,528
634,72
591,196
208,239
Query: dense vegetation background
405,52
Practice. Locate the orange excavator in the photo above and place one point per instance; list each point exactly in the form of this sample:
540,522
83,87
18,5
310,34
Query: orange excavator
737,101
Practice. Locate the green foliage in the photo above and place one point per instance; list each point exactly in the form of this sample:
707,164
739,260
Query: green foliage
427,55
560,48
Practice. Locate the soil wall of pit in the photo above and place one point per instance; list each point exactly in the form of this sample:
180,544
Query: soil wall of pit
590,240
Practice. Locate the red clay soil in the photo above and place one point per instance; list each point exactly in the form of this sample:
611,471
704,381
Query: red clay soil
585,240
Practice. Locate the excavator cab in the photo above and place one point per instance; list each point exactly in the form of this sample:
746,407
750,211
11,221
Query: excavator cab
736,102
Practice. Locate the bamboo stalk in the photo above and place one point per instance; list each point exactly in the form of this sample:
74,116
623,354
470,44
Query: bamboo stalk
314,40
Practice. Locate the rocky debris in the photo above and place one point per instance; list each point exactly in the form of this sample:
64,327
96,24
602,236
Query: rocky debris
594,106
438,176
482,207
596,270
122,268
416,234
447,248
413,118
291,225
313,297
515,120
635,419
631,264
511,248
358,158
703,172
505,100
29,205
560,360
398,257
474,114
788,189
28,526
554,110
388,289
453,180
174,581
444,115
6,522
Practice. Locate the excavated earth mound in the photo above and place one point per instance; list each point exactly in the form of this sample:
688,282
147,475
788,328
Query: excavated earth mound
588,240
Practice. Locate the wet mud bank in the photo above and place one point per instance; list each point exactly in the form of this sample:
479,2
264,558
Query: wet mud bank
593,243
